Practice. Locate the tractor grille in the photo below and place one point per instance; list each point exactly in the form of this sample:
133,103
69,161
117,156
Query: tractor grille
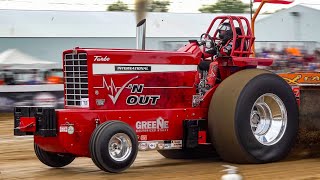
76,79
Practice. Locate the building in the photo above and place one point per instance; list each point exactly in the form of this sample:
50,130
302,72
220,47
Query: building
295,26
45,34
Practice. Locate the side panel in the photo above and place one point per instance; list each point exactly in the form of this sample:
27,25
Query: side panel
148,124
144,90
141,79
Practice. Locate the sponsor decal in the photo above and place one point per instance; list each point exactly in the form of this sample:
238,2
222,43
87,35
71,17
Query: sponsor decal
107,68
142,100
84,102
301,78
152,145
143,146
143,137
114,92
100,102
132,68
167,146
139,99
70,130
135,98
158,125
63,129
67,127
296,91
100,58
160,145
176,143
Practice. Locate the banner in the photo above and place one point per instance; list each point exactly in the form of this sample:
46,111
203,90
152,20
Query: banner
295,79
276,1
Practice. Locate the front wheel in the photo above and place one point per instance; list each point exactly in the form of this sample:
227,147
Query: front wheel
253,117
113,146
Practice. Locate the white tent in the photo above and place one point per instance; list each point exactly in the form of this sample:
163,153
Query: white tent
14,59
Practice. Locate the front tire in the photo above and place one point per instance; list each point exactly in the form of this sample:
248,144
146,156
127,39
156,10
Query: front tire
253,117
113,146
53,159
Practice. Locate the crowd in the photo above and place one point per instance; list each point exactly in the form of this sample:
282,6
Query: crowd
292,59
27,77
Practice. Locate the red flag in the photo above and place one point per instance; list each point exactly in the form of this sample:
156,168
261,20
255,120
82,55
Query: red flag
276,1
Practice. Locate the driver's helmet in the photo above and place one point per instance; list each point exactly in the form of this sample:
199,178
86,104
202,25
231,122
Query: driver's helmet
225,31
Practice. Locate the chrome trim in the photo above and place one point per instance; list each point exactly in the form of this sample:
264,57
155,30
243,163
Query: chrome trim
76,78
120,147
268,119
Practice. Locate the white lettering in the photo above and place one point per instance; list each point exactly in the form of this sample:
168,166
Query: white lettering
142,99
100,58
154,124
144,125
138,125
159,125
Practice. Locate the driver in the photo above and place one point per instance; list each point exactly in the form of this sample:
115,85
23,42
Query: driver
225,35
224,49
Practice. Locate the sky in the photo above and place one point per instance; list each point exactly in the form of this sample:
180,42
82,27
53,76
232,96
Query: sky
177,6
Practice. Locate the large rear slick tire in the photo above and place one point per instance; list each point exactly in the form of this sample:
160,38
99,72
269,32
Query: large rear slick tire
53,159
253,117
113,146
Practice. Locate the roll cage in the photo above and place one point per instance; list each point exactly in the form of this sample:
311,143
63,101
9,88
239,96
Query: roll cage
241,33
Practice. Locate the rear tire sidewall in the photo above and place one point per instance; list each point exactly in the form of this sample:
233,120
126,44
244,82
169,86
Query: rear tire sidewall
262,84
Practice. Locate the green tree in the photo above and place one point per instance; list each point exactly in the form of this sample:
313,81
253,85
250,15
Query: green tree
158,6
118,6
226,6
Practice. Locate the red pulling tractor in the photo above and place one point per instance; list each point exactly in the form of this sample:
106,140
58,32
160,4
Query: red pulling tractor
120,101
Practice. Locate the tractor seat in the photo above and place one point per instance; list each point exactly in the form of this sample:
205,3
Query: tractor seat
238,41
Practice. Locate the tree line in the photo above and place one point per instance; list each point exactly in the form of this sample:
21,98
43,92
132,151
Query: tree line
221,6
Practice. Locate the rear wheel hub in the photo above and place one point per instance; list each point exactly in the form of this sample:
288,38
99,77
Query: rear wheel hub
268,119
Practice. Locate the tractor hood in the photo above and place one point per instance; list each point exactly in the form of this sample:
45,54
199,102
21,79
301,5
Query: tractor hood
190,55
102,78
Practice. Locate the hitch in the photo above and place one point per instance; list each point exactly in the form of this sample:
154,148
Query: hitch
194,133
30,120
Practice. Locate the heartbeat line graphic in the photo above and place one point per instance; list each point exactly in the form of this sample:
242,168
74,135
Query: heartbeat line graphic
115,93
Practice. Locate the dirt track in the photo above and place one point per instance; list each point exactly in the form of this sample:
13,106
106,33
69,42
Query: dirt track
17,161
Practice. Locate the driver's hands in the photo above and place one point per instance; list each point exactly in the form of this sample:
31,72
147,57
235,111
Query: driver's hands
203,42
213,50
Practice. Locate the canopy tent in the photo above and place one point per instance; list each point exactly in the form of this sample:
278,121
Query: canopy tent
13,59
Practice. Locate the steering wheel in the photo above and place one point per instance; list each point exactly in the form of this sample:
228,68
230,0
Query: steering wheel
204,40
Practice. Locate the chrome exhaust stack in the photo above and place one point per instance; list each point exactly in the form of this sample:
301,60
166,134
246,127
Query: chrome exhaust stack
141,35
